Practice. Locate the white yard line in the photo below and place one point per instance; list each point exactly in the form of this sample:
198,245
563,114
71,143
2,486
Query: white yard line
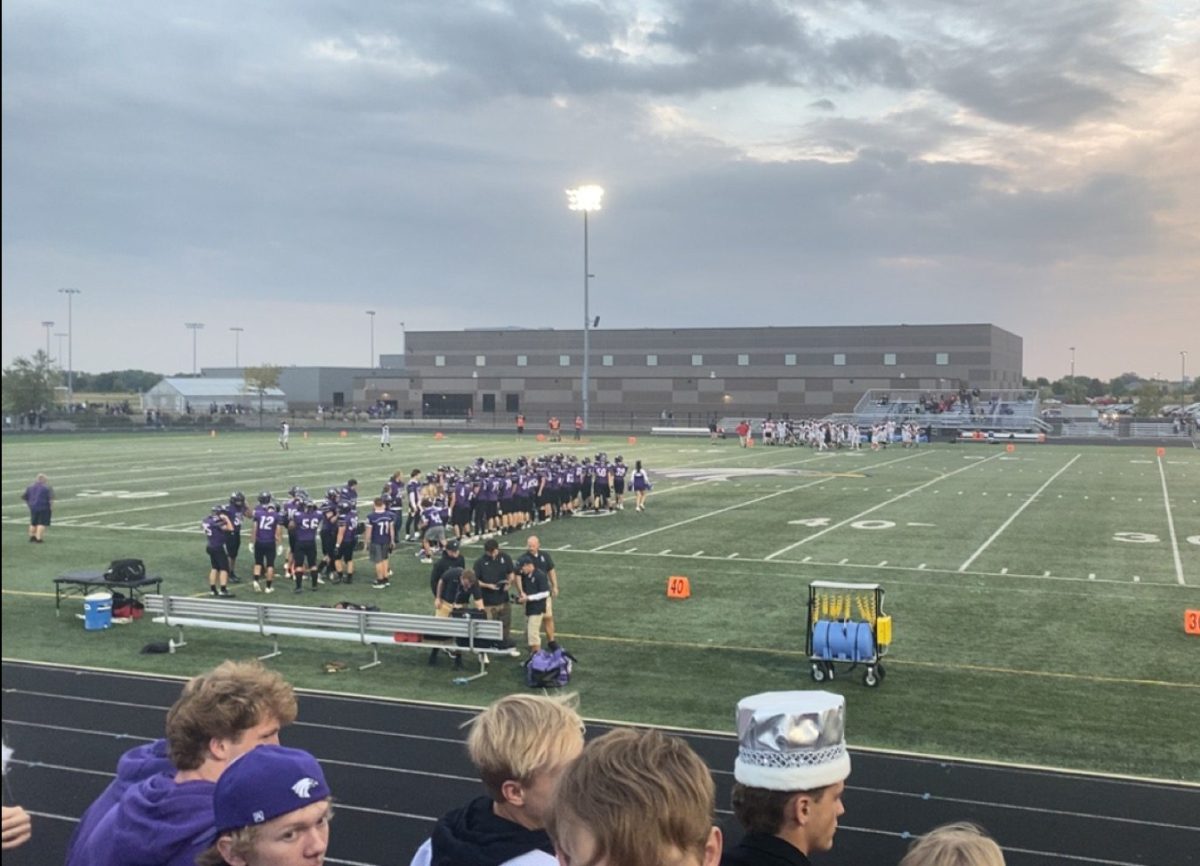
740,505
1171,525
883,504
1016,514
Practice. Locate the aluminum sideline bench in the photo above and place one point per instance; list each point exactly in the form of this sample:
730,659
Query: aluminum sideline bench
369,628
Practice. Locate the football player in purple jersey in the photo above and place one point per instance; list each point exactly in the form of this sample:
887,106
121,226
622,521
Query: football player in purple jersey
217,527
236,510
268,532
347,536
306,524
382,542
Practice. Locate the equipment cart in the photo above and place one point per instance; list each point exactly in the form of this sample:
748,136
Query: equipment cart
846,623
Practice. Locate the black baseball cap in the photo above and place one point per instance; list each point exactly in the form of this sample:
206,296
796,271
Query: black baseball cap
452,544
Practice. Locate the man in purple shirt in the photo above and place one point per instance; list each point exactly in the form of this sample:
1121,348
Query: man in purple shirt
39,496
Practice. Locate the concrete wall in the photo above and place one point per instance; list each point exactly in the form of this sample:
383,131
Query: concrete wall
751,371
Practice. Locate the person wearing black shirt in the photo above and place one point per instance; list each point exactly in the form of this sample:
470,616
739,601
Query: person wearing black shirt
495,571
542,562
451,558
789,777
457,589
535,593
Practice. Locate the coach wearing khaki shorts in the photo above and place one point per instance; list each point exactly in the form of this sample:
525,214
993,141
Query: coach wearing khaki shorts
535,591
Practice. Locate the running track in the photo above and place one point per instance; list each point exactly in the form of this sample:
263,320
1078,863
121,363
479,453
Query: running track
395,767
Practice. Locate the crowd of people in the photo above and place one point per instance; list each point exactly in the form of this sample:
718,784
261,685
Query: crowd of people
823,435
220,789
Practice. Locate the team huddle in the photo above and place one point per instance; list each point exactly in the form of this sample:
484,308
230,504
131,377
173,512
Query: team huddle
485,499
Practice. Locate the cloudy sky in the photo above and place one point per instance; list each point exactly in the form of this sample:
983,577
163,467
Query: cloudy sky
286,166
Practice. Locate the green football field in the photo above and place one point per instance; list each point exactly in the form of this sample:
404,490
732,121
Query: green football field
1038,595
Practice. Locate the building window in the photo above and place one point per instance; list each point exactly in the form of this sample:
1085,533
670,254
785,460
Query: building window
697,360
789,360
839,360
652,360
522,360
743,360
607,360
481,360
439,360
889,359
564,360
942,359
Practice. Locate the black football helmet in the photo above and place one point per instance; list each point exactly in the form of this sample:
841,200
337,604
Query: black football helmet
264,498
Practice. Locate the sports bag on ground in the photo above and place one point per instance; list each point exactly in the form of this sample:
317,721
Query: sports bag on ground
549,667
125,570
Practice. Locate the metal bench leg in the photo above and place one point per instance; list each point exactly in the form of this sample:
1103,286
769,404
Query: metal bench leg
484,660
181,641
274,651
374,661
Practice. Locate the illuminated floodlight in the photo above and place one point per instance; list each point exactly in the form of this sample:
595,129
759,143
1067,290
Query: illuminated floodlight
585,198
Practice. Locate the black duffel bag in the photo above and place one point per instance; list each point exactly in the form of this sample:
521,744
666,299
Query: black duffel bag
125,570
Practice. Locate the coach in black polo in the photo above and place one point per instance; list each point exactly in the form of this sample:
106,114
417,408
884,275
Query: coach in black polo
451,558
543,563
495,572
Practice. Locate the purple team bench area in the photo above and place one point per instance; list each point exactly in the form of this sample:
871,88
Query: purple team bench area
482,637
83,583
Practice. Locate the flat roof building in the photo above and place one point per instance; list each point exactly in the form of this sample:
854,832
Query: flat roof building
635,375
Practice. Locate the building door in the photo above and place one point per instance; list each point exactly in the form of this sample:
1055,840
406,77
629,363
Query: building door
512,403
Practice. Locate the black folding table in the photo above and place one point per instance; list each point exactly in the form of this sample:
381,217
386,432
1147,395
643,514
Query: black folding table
83,582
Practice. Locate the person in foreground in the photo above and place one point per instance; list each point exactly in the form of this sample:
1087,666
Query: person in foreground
520,744
636,798
961,844
166,819
271,807
789,776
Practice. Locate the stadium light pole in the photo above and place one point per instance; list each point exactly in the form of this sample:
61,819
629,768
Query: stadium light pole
70,293
587,199
1072,363
371,313
193,327
237,345
47,325
1182,372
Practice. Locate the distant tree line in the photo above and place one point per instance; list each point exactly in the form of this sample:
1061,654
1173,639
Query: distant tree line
1149,395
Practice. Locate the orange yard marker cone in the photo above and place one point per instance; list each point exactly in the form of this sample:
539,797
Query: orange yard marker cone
439,435
343,434
678,587
632,440
1010,448
1161,452
1191,622
541,437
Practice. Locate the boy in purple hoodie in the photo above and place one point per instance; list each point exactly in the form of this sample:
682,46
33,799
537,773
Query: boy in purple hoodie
166,818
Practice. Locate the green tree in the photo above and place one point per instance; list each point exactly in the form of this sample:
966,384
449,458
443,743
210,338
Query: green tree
259,380
1149,400
1123,384
29,383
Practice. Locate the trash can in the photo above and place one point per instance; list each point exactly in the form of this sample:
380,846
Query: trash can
97,611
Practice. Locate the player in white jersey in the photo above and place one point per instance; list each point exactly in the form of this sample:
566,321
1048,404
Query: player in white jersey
385,437
284,433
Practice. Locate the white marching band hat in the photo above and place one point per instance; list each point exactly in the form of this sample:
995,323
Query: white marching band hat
791,741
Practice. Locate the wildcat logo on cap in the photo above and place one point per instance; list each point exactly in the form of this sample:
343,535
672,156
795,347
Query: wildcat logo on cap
303,788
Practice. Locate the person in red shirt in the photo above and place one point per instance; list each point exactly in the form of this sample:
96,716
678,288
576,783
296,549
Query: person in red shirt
743,432
578,427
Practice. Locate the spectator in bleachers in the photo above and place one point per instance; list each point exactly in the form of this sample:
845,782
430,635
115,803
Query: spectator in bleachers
789,776
636,798
961,844
167,817
271,807
520,744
